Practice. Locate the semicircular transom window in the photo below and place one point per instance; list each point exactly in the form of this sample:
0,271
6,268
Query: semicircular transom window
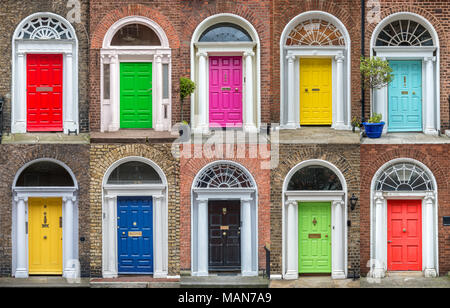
225,32
404,33
45,173
404,177
315,32
134,172
45,28
135,35
315,178
224,176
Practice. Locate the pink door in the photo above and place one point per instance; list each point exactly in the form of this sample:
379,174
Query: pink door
225,91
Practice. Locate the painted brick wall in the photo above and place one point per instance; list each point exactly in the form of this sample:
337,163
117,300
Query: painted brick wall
101,158
12,158
346,159
12,12
178,18
190,167
435,157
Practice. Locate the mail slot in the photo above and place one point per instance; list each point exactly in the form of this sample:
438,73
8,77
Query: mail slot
224,227
315,89
226,89
314,235
44,89
134,233
404,92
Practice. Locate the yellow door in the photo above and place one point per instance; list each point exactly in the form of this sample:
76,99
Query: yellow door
315,92
45,236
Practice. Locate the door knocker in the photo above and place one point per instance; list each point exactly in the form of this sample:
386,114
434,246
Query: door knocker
314,221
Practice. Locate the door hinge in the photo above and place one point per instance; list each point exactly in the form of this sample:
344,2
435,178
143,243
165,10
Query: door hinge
60,222
26,227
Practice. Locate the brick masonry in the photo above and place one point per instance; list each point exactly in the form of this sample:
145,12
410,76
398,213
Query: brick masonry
346,159
12,12
102,156
435,157
12,158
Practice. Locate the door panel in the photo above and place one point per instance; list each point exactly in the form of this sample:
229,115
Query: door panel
404,235
405,97
224,235
225,91
44,92
314,237
135,235
45,236
315,92
135,95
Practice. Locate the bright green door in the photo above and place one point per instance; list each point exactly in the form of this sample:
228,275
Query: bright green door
314,237
136,95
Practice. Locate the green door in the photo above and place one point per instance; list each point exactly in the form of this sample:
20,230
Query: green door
136,95
314,237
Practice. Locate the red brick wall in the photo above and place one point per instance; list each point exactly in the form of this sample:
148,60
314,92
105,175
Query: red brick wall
435,157
178,18
190,167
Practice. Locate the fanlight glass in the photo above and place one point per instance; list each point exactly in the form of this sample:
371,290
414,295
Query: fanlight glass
224,176
225,32
404,33
404,177
135,35
315,32
44,173
45,28
134,173
314,177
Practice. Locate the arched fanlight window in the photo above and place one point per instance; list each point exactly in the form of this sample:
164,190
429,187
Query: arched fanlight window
404,177
44,173
135,35
315,32
314,177
134,172
45,28
224,175
404,33
225,32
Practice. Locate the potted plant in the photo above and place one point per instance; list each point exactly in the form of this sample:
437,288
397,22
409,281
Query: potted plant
376,74
187,87
355,123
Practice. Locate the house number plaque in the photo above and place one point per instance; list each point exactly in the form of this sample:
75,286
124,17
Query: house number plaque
134,233
314,235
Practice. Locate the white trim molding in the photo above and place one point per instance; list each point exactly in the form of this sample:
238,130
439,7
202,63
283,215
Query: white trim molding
251,58
378,222
339,242
53,44
159,194
290,73
200,198
157,55
430,57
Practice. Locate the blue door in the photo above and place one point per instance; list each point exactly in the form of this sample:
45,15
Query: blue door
135,235
405,97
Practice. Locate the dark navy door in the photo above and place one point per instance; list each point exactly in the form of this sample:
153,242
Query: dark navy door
135,235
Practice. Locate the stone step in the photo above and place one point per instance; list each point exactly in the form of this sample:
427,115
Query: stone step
224,282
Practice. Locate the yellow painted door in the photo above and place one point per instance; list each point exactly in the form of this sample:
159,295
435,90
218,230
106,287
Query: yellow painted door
45,236
315,92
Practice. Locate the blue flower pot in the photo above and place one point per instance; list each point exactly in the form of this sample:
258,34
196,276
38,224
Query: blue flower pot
373,130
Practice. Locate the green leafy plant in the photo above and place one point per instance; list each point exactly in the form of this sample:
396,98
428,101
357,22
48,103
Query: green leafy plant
375,118
355,123
187,87
376,72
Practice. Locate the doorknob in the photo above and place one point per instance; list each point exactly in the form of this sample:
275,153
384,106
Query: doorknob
45,237
404,230
224,233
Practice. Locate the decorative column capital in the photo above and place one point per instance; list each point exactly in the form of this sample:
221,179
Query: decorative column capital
21,198
71,198
158,197
429,197
339,58
110,197
158,58
338,203
249,54
291,203
379,196
202,54
290,58
430,59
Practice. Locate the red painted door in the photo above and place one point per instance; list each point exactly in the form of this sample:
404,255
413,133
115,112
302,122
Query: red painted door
225,91
404,235
44,92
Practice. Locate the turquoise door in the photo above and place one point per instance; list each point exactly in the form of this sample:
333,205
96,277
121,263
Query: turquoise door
405,97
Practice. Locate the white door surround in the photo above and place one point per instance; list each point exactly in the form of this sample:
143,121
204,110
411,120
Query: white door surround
290,73
378,222
157,55
19,233
159,194
430,57
250,51
249,222
338,200
44,40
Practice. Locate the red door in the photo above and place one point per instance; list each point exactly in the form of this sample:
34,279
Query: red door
225,91
404,235
44,92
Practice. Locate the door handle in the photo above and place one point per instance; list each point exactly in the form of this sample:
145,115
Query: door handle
316,89
404,230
